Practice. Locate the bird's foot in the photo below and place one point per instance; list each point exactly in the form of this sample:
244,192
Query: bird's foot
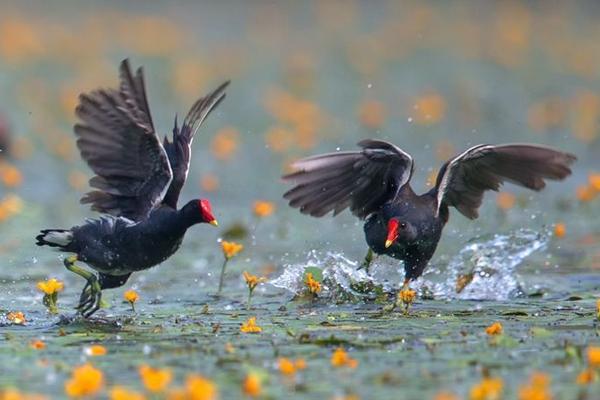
91,296
366,264
90,300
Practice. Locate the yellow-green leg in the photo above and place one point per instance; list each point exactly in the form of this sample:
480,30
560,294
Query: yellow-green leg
367,261
91,296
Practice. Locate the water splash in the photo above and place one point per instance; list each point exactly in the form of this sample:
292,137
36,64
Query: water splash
491,264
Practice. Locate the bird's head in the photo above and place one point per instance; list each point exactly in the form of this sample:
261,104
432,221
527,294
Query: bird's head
399,230
206,214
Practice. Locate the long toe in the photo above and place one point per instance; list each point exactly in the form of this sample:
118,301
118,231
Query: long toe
94,306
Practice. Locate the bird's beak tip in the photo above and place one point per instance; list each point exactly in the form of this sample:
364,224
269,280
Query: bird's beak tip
388,243
214,222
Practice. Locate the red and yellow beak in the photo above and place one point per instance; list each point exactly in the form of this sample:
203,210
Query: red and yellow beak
392,232
214,222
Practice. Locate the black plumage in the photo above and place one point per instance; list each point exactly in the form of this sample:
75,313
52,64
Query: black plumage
137,185
374,184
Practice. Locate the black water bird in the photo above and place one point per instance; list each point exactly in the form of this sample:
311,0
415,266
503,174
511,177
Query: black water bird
374,184
137,184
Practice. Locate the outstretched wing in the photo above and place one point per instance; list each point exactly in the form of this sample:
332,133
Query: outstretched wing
116,138
361,180
462,180
180,149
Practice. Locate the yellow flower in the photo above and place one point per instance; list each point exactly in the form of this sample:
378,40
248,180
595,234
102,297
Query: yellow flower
14,394
252,280
560,229
131,296
587,376
487,389
50,286
312,285
300,363
85,381
16,317
407,296
286,366
225,143
155,380
594,181
494,329
252,385
250,326
585,193
198,387
536,389
505,200
593,356
37,345
96,350
10,175
263,208
122,393
340,358
231,249
445,396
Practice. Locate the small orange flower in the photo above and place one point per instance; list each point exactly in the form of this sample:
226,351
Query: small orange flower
95,350
312,285
50,286
598,309
429,109
487,389
263,208
209,183
407,296
231,249
198,387
85,381
371,114
300,363
594,181
10,175
131,296
505,200
252,385
155,380
536,389
340,358
122,393
37,345
16,317
494,329
585,193
593,356
250,326
587,376
286,366
252,280
560,229
445,396
225,143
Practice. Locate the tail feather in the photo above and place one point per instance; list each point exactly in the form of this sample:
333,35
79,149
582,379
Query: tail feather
55,238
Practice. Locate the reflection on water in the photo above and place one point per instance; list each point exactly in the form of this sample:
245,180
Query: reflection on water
490,265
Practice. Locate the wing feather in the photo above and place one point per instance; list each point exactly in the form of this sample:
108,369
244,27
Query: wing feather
360,180
463,180
116,138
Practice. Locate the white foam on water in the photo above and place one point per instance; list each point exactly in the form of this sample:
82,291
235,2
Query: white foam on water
493,263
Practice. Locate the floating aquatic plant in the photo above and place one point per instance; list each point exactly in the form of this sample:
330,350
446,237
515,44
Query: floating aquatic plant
131,296
86,380
155,380
340,358
250,326
252,385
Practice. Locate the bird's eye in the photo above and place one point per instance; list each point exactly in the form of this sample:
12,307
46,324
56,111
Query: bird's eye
402,225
